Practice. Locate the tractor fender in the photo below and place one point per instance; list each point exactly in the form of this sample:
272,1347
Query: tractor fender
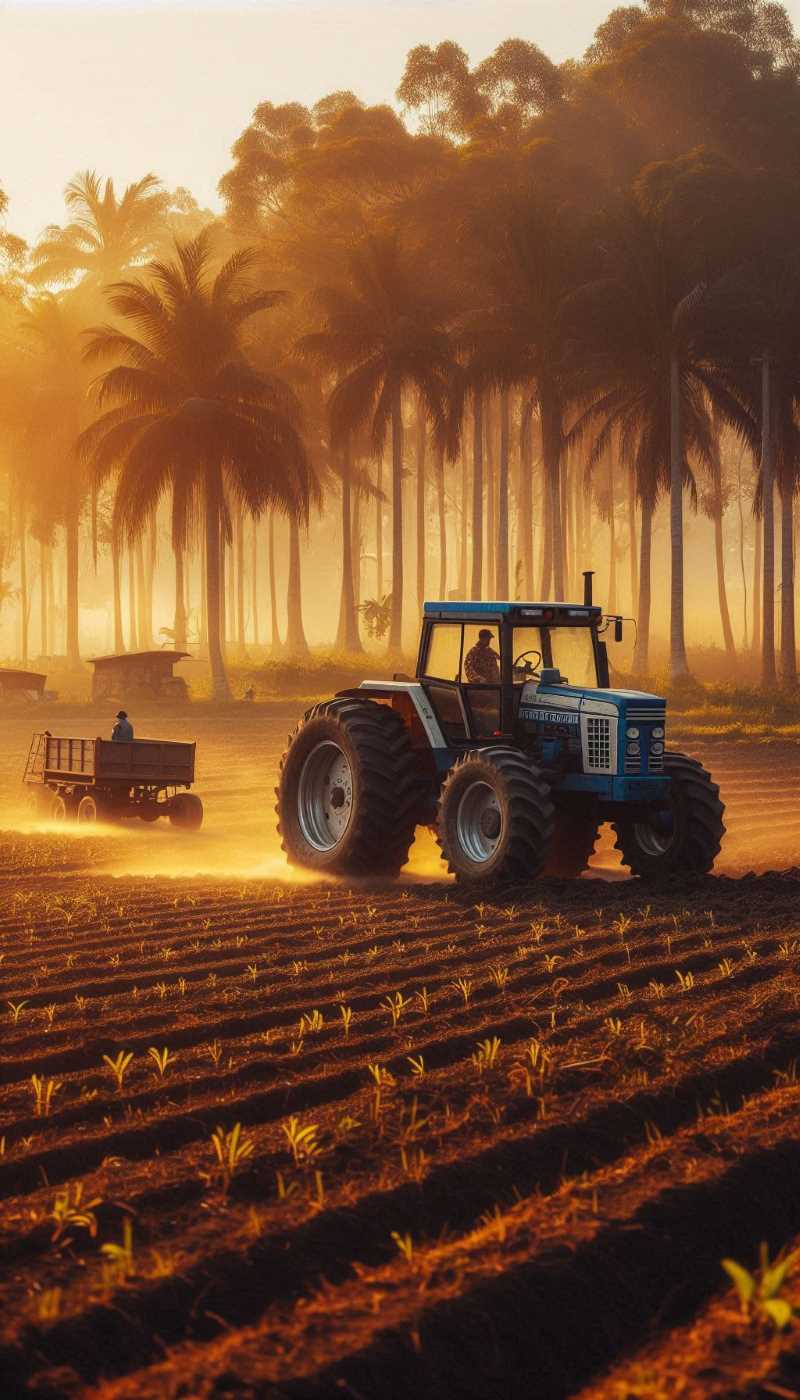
408,698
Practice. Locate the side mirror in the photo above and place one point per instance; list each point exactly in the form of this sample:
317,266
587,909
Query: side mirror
617,629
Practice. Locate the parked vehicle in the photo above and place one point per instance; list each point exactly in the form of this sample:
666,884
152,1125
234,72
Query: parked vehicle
90,780
516,761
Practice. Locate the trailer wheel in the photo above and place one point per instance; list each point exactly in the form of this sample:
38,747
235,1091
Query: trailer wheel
496,817
684,838
61,809
574,839
186,811
90,810
349,792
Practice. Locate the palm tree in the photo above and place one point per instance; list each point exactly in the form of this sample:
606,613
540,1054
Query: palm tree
382,332
638,340
186,413
105,235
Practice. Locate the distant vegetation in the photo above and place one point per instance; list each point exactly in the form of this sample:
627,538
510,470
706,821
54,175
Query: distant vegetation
526,324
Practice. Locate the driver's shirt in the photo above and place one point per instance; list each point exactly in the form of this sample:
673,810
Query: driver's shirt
482,665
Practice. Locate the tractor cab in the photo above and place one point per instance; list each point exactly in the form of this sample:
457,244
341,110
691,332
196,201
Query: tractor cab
484,665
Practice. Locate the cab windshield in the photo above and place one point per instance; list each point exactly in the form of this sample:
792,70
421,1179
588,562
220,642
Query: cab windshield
568,649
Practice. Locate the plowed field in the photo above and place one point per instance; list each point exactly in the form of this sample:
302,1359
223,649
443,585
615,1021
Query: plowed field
400,1143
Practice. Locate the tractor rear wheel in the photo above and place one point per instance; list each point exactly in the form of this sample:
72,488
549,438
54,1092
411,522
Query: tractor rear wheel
186,811
574,839
349,792
495,817
682,838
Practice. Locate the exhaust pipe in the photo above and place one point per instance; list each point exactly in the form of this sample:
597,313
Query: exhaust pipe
588,575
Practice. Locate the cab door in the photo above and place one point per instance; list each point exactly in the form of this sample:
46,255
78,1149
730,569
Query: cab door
441,677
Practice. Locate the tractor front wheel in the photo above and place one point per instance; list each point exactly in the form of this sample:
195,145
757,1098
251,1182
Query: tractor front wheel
574,839
349,795
495,818
685,836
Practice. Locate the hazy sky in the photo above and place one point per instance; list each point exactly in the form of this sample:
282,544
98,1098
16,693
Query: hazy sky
167,85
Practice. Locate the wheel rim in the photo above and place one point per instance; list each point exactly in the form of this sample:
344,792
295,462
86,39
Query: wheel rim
59,812
87,810
479,822
325,796
656,837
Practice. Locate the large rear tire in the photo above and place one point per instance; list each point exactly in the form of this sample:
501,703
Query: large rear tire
495,818
683,839
349,790
91,809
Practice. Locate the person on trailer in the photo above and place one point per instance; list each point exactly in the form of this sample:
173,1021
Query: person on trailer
122,733
482,664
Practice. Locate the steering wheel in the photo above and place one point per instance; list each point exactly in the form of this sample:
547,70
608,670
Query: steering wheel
529,668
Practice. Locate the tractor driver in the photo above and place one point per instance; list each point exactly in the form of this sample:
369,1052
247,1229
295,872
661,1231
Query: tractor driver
122,733
481,664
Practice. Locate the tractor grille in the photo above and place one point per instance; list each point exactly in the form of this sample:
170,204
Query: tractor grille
598,744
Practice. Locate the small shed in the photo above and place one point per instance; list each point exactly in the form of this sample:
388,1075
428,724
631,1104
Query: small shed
21,685
139,675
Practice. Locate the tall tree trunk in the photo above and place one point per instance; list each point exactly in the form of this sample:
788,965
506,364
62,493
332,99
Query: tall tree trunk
440,501
43,600
203,595
145,617
490,475
254,581
719,541
220,688
355,535
632,546
641,656
133,626
740,509
477,496
758,581
679,665
116,583
347,638
464,523
396,627
296,644
525,530
551,452
421,433
240,639
768,671
275,644
379,585
179,623
788,638
612,534
23,587
73,640
502,580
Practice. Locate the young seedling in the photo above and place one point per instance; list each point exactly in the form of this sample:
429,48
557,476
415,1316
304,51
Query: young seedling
118,1067
16,1008
417,1063
120,1256
346,1013
215,1051
499,976
230,1149
405,1245
70,1212
395,1005
302,1140
424,1000
760,1293
464,986
685,980
311,1022
43,1091
485,1054
160,1058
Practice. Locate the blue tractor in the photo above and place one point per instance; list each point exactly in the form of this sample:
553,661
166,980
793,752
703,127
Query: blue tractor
511,743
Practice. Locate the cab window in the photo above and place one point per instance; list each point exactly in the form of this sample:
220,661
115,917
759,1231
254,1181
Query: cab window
444,652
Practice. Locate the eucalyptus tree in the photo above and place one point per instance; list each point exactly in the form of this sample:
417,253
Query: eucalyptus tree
183,411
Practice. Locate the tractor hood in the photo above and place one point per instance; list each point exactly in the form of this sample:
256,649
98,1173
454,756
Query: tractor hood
565,703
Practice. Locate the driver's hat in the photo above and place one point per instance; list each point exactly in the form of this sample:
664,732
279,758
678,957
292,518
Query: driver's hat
485,632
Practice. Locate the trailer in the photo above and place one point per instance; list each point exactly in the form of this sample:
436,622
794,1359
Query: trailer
90,780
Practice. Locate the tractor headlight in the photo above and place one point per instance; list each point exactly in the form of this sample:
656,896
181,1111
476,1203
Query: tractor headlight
656,748
634,749
658,732
633,732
